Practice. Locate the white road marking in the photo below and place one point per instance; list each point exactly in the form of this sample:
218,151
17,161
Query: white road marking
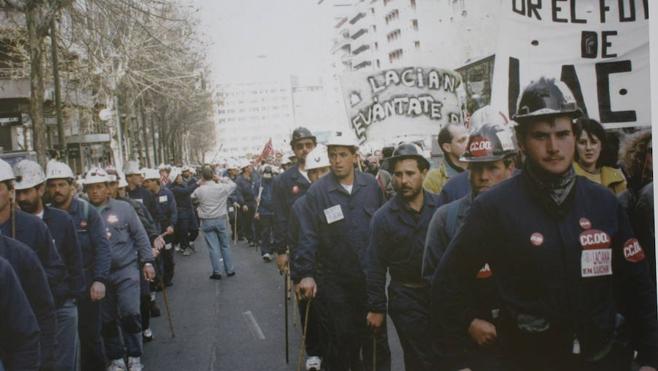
253,325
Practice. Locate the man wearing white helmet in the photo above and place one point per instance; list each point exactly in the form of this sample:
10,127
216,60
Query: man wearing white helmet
129,245
330,258
96,259
30,188
34,233
166,216
136,190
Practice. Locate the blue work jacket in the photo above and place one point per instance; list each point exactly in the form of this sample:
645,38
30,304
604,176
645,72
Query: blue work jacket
286,189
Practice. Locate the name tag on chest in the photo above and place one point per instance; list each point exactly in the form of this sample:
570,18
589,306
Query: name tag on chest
163,199
334,214
596,263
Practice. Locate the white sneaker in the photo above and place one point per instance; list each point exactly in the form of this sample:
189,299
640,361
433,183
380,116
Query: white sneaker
267,257
117,365
134,364
313,363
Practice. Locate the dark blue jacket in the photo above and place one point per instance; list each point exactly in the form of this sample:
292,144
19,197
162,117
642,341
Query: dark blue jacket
266,206
166,212
550,268
397,241
144,217
143,195
92,236
62,229
35,284
19,332
245,187
182,194
455,188
33,232
293,235
338,247
286,189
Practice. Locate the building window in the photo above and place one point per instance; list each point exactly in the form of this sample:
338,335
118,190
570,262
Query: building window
414,24
394,35
417,44
376,45
413,4
374,28
387,1
378,64
395,55
393,15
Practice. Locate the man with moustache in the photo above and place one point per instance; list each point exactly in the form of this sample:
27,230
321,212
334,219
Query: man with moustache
397,238
30,187
96,259
572,279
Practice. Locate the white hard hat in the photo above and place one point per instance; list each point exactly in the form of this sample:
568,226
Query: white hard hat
28,174
317,158
244,163
58,170
343,139
95,175
132,168
164,166
151,174
6,173
122,179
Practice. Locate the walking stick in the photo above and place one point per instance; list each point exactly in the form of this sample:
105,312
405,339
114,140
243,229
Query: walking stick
302,350
285,304
166,302
374,352
235,225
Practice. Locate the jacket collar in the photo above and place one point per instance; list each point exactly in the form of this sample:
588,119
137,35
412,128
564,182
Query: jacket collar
400,207
297,176
359,181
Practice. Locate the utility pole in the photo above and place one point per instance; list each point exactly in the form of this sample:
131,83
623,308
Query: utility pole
35,46
61,139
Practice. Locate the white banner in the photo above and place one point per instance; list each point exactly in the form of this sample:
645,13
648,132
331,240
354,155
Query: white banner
600,49
408,103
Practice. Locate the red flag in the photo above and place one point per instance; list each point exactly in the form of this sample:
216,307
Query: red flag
267,151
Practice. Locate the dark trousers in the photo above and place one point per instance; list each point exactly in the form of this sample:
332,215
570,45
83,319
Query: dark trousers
347,342
89,330
183,232
245,223
409,309
145,302
313,344
266,234
167,260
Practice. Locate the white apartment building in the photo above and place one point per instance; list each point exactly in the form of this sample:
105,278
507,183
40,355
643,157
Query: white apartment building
250,114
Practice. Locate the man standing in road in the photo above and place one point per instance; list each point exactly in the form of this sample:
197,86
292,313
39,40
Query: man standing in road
397,239
452,141
332,250
211,197
572,279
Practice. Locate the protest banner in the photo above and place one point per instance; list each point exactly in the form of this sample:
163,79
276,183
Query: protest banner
599,49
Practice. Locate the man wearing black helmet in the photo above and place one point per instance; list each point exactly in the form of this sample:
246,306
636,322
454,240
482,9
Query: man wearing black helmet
489,155
571,277
397,237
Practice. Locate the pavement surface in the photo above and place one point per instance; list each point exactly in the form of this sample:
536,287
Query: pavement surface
236,323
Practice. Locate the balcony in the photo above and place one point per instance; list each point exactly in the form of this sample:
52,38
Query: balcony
361,49
357,17
362,65
359,33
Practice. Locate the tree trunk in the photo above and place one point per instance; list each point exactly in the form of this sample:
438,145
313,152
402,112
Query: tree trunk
61,138
36,84
141,118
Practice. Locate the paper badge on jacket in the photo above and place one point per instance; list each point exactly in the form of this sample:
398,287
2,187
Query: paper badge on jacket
333,214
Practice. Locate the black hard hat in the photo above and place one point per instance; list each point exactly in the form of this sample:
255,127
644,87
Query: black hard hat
546,98
301,133
407,150
267,170
490,142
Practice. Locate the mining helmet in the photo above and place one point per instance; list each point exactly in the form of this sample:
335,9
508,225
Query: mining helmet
544,99
28,174
301,133
6,173
95,175
343,139
58,170
490,142
407,151
151,174
132,168
317,158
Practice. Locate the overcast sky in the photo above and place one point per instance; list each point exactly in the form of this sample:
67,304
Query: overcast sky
256,39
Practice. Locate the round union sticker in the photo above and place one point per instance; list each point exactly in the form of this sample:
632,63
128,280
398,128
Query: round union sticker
633,251
537,239
295,190
585,223
83,224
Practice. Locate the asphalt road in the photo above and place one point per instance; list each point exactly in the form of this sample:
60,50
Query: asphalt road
236,323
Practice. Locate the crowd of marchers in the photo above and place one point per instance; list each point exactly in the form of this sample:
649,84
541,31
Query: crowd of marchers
529,247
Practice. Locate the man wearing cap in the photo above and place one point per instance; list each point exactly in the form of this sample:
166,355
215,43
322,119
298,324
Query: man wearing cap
244,183
397,239
130,246
19,332
96,259
452,141
332,250
33,232
490,157
265,215
317,165
30,188
572,279
136,190
166,216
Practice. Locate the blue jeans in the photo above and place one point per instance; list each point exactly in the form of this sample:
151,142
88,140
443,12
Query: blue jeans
216,234
67,332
